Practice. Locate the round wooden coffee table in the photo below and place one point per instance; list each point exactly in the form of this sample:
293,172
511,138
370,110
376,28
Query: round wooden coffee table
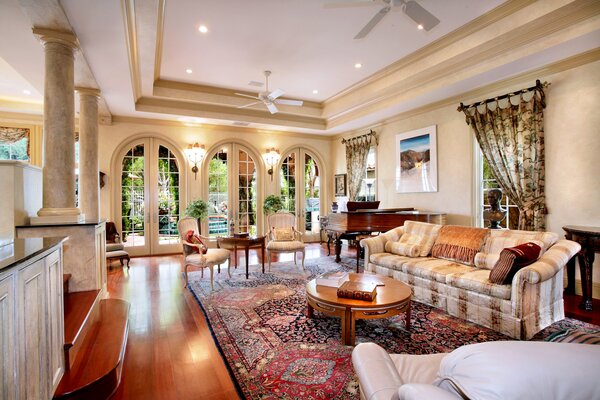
392,299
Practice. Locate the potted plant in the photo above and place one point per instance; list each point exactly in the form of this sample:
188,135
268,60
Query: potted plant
272,204
197,209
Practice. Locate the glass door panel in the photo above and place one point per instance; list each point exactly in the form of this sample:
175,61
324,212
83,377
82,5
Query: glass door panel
168,197
246,193
312,202
288,182
218,194
133,198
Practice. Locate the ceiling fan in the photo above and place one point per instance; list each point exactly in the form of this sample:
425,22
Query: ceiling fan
269,99
411,8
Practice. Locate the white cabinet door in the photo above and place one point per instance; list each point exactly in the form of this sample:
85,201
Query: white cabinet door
8,329
56,336
32,331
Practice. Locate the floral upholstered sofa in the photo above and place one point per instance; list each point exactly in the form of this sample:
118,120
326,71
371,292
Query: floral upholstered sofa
533,300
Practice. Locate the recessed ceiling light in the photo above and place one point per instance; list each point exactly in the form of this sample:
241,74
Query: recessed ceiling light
203,29
315,91
420,27
27,92
188,71
358,65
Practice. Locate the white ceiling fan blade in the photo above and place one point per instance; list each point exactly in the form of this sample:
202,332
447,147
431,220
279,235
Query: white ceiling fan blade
246,95
275,94
420,15
250,105
271,108
371,24
351,3
289,102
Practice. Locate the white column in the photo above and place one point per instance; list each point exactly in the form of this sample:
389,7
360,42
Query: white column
89,185
59,129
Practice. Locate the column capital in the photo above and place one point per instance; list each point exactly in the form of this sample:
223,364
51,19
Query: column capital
53,36
84,91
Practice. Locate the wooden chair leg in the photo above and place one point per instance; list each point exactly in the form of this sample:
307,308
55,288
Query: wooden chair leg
229,266
185,272
212,272
269,257
295,254
202,273
303,255
128,260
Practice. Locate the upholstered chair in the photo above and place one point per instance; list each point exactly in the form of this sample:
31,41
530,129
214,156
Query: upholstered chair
295,245
197,259
113,238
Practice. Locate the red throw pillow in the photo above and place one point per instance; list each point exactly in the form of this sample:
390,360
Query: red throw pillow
511,260
191,237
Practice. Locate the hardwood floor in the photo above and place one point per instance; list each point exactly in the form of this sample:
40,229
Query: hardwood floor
170,352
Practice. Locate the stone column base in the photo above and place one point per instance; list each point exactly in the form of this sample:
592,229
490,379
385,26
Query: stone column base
57,216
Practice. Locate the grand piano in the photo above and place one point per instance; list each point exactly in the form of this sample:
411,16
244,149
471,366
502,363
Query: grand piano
348,224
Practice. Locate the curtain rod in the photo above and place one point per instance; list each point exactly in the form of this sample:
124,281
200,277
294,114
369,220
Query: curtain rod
538,86
370,133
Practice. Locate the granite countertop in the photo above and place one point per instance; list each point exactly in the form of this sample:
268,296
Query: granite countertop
24,249
82,223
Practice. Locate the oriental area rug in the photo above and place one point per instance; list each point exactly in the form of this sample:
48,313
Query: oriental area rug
274,351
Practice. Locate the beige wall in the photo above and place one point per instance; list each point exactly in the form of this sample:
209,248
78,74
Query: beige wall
572,118
115,136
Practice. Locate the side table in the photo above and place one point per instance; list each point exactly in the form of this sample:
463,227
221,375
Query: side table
589,239
233,243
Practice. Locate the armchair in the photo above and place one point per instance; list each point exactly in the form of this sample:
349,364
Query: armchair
197,259
284,220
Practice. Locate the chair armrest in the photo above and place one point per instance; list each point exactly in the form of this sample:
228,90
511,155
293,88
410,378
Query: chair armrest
376,372
548,264
420,391
376,244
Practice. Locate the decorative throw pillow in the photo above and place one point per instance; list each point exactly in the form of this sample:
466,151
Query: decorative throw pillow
191,237
421,234
488,256
403,249
575,336
283,234
459,243
511,260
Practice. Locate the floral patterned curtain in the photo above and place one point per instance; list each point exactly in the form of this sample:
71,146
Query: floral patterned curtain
357,150
512,141
13,135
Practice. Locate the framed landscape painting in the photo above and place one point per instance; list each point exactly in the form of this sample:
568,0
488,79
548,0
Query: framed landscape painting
416,161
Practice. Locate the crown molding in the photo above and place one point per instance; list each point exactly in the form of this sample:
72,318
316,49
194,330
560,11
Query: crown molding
160,29
204,110
474,95
498,13
128,7
219,128
359,104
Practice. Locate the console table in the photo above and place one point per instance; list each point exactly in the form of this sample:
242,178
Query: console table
589,239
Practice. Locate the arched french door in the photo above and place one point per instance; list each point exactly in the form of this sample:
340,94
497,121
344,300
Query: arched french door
149,196
300,175
233,190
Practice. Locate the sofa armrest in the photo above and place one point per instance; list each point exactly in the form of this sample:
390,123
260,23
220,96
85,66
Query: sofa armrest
548,264
376,244
377,374
420,391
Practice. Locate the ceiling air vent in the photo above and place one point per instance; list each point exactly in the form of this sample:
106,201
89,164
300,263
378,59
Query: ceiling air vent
241,123
255,83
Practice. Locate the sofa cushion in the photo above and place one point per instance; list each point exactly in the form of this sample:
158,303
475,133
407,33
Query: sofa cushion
459,243
434,269
489,254
389,260
478,280
522,370
421,234
403,249
547,238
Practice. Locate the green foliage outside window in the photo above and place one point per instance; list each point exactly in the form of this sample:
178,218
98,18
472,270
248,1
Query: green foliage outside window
14,151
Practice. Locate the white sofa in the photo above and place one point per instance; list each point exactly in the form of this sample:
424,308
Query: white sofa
532,302
487,371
